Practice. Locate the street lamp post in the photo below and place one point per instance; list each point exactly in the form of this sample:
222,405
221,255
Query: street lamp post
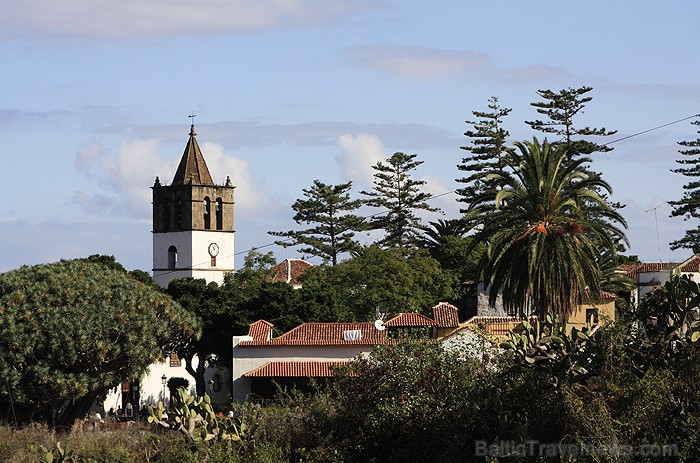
164,379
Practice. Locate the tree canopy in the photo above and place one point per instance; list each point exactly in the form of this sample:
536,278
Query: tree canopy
560,108
689,205
486,148
385,282
73,329
400,197
543,240
328,210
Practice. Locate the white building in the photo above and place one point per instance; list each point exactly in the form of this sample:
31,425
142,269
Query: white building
652,275
192,222
311,350
192,237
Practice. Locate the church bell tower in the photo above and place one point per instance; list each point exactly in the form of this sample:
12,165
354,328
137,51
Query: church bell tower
192,222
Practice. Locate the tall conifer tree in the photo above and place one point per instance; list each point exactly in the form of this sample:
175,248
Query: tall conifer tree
486,147
560,108
329,211
395,191
689,206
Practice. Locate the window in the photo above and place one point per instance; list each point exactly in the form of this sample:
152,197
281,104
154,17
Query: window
352,335
213,261
219,214
172,257
207,213
178,215
592,316
166,216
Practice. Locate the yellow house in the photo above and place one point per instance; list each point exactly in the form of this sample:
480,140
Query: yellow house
496,328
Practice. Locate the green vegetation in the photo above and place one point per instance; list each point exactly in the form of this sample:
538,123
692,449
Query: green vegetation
546,230
689,206
399,197
329,211
631,384
73,329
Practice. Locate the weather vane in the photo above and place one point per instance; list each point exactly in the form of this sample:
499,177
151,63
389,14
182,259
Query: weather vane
192,116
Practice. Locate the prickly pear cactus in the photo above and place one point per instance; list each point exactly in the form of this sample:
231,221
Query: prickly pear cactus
195,418
546,345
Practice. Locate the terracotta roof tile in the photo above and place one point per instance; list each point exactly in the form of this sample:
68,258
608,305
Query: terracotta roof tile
295,369
446,315
691,265
604,296
657,267
327,334
260,330
289,271
630,270
410,319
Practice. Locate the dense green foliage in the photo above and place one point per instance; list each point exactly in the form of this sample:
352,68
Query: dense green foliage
328,209
543,240
559,109
487,146
399,197
420,401
689,206
75,328
383,282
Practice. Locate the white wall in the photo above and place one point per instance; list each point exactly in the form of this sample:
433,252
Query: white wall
151,385
193,257
247,358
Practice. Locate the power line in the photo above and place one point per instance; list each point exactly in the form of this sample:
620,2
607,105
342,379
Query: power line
454,191
651,130
365,217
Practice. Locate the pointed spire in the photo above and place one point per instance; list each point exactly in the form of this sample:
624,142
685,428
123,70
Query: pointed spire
192,168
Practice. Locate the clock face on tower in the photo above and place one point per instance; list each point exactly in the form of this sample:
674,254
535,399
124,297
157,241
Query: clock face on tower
213,249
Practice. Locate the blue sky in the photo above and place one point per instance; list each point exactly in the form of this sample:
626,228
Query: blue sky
96,94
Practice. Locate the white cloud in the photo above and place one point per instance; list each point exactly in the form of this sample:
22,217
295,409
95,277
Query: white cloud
124,179
431,63
138,19
419,62
220,165
358,154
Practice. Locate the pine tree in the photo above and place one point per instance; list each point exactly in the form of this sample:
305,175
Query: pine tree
395,191
328,208
560,108
486,148
689,206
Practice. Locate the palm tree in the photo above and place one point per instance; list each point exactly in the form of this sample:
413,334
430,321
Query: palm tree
546,232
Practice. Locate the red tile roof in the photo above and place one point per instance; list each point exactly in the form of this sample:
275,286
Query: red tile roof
327,334
295,369
410,320
604,296
260,330
657,266
630,269
691,265
446,315
289,271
